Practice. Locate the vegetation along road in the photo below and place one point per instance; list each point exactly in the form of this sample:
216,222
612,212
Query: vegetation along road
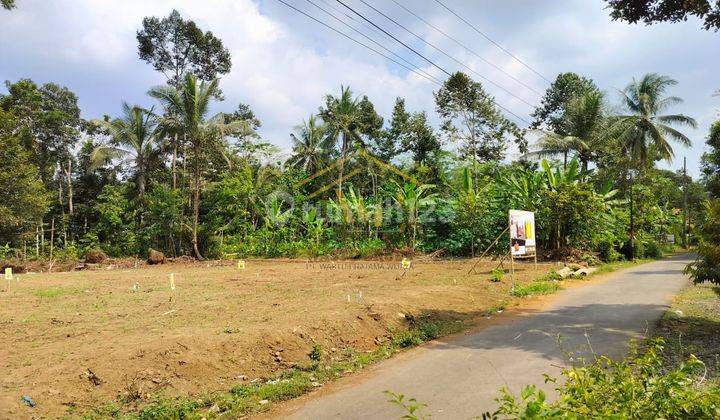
460,378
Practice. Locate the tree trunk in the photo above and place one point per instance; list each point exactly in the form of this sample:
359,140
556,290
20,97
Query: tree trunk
341,168
141,183
196,205
70,188
174,163
52,237
565,153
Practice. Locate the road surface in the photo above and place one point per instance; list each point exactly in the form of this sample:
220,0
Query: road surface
459,379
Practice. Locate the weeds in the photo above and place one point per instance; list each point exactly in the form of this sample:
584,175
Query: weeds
536,288
496,275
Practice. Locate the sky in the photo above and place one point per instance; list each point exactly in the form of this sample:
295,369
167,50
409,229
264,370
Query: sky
284,63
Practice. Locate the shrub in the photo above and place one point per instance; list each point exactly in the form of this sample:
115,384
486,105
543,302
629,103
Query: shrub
652,250
496,275
707,265
639,386
316,353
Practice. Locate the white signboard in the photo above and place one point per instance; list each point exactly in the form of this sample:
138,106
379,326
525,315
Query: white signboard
522,232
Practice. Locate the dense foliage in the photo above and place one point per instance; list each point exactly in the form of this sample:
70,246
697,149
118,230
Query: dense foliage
654,11
170,176
707,265
640,386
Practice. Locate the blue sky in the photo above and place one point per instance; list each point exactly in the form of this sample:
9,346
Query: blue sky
283,63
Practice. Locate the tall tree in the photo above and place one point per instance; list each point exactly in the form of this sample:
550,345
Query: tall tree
420,139
24,197
7,4
49,119
551,113
175,47
191,104
391,140
655,11
710,162
132,136
644,132
471,117
581,130
344,121
311,146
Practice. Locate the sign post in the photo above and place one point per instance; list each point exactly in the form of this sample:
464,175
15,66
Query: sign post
522,237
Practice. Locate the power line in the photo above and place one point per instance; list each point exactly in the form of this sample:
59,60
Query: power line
492,41
375,42
423,57
355,40
466,48
385,56
393,37
447,55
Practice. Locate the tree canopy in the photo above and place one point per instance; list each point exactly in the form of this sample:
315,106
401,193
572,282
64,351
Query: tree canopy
655,11
175,46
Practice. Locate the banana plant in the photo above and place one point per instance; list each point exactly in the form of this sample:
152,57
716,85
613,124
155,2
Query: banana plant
314,225
521,188
274,213
558,177
411,198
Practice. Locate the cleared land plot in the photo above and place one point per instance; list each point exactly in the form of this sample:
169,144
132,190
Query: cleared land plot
76,340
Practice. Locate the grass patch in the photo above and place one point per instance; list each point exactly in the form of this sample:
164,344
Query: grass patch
54,292
692,326
541,287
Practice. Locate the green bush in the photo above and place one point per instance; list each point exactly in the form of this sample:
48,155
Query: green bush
316,353
496,275
652,249
707,265
638,387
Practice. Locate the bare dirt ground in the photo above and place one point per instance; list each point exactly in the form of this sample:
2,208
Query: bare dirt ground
76,340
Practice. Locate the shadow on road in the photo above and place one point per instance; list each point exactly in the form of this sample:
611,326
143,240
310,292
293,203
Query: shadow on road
568,333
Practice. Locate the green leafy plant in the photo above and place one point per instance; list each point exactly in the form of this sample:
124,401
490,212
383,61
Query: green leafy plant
639,386
316,353
496,275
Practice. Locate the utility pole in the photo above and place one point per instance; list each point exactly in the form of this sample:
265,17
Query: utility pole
685,205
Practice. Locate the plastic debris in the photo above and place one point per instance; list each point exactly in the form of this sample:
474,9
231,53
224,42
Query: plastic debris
28,401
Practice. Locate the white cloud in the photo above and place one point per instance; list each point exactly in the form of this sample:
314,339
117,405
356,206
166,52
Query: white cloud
284,63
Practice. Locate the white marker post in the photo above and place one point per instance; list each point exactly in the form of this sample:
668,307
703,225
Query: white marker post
8,274
241,264
172,281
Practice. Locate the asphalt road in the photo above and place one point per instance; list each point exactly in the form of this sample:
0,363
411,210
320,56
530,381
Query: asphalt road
459,379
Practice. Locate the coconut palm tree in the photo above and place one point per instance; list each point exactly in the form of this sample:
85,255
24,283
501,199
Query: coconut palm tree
343,117
190,105
582,122
311,146
644,132
133,136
